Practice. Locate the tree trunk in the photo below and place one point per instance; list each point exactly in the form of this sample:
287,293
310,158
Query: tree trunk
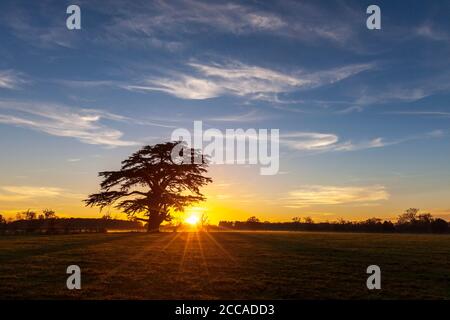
153,225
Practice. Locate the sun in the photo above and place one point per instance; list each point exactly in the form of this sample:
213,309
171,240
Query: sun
192,220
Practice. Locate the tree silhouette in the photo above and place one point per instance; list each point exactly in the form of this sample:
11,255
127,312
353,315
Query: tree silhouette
49,214
204,221
153,182
308,220
409,216
26,215
253,219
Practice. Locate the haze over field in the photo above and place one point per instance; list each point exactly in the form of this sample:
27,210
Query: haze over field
363,114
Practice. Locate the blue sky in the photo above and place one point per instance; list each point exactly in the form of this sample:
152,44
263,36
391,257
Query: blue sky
374,103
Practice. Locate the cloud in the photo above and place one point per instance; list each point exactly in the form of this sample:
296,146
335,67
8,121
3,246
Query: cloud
428,31
189,16
436,134
408,90
337,74
21,193
316,141
166,24
250,116
185,87
374,143
309,140
33,191
18,193
10,79
82,124
238,79
25,25
335,195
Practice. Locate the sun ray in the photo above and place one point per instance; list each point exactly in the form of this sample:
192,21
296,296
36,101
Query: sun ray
186,247
221,248
134,258
202,254
171,241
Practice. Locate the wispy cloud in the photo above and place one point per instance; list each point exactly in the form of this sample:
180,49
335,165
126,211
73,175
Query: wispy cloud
316,141
24,193
82,124
309,140
10,79
430,32
238,79
321,142
408,90
26,25
334,195
251,116
18,193
165,24
33,191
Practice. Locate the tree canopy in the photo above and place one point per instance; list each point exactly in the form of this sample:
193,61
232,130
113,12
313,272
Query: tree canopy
153,182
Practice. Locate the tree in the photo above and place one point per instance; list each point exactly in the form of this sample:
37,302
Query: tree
49,214
204,221
26,215
409,216
439,226
296,219
308,220
373,221
2,224
253,220
425,218
107,216
153,182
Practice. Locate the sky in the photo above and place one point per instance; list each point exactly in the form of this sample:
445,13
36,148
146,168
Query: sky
363,114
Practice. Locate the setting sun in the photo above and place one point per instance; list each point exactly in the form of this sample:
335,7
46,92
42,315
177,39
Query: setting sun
192,220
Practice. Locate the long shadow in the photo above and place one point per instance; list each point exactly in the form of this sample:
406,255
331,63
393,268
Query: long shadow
312,248
137,257
64,246
261,239
215,242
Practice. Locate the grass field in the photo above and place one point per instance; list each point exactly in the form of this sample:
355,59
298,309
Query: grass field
225,265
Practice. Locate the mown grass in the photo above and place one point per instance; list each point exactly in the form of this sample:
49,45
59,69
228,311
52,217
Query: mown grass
225,265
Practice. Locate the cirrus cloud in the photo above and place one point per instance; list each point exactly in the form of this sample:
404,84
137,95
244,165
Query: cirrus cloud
58,120
335,195
238,79
10,79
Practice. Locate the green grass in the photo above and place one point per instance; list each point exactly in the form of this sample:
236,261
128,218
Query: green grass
225,265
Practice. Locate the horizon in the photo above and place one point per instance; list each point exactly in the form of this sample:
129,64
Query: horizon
196,222
363,115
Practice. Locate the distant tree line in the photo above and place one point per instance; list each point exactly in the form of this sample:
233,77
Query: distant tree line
48,223
411,221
